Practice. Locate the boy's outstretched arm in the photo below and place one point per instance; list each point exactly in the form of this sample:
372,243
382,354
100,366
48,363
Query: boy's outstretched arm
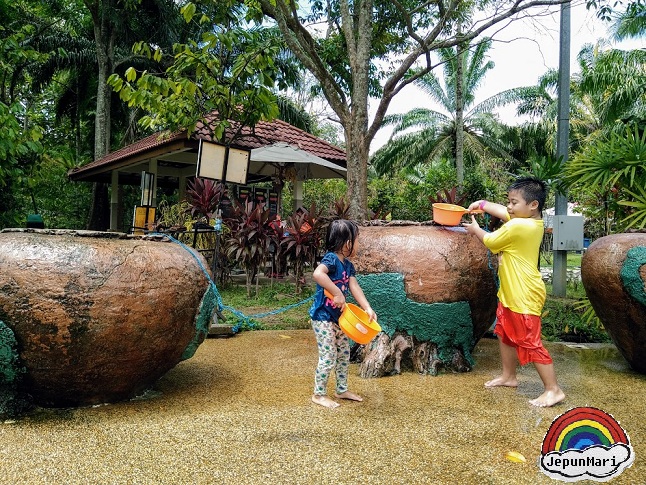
358,295
496,210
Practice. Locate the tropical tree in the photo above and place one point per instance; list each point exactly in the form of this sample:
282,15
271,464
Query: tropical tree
24,24
117,24
368,49
613,168
436,132
614,81
224,78
628,20
71,46
609,88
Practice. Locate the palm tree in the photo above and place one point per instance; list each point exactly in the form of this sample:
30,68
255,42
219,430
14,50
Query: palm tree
616,81
631,23
434,138
540,103
609,88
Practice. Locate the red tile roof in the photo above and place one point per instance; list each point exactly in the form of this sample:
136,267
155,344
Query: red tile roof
264,133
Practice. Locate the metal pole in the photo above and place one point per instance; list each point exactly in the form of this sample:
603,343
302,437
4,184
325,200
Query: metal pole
559,271
218,230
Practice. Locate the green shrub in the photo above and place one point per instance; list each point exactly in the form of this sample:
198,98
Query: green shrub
564,320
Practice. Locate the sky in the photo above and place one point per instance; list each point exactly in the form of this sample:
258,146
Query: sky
522,52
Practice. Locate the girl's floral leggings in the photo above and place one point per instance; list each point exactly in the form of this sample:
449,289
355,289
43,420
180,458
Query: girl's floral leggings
334,353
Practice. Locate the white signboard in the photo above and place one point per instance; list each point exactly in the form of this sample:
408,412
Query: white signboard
220,162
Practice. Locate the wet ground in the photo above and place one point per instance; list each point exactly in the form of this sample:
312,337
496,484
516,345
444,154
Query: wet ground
239,413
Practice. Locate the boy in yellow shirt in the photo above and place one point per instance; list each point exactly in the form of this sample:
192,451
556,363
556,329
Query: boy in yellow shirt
521,295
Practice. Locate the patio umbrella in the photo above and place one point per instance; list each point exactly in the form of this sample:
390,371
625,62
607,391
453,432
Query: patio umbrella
273,160
282,160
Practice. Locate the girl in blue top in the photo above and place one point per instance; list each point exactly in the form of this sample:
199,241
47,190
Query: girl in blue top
335,275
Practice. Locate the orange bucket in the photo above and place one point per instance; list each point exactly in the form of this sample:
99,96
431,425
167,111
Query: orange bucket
356,324
450,214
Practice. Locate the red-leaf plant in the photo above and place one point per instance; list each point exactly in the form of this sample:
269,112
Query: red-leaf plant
303,241
448,197
249,238
204,197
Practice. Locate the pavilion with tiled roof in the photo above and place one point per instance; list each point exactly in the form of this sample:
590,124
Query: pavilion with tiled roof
172,157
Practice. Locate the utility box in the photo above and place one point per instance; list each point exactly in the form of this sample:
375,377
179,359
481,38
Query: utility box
568,233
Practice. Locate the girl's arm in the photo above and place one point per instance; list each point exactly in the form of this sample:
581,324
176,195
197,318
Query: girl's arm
320,275
358,295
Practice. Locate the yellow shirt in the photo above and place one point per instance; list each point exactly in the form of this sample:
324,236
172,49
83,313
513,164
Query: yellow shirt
521,286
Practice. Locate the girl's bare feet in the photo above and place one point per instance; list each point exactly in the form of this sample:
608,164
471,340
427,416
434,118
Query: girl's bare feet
501,381
325,401
349,395
548,398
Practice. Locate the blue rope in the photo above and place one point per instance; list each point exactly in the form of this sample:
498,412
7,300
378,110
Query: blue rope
218,298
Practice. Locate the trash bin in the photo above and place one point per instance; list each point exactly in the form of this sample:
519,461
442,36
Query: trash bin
35,221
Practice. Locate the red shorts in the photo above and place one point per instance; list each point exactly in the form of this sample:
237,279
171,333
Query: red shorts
523,332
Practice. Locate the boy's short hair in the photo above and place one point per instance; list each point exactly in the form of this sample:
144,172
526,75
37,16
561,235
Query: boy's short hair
531,189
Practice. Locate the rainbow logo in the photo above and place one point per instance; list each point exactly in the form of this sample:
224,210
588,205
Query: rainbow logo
585,444
579,428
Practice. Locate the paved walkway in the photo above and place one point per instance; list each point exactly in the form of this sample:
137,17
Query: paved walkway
239,413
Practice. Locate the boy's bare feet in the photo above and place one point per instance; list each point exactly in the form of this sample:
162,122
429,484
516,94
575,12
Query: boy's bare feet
548,398
349,395
325,401
501,381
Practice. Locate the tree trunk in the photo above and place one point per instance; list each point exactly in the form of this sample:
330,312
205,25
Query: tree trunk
459,115
104,32
386,356
248,279
99,213
357,21
357,175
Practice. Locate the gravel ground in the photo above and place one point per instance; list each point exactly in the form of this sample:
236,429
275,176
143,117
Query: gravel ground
239,412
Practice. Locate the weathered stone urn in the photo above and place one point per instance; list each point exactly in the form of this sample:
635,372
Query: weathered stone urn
434,291
613,273
95,317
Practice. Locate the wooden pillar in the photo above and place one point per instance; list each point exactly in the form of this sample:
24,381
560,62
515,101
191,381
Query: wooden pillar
152,168
298,194
181,195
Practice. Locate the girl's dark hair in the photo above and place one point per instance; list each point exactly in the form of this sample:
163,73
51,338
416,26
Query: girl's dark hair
531,189
338,232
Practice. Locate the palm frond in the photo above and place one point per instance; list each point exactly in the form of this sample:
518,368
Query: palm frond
631,23
421,118
431,86
403,151
637,218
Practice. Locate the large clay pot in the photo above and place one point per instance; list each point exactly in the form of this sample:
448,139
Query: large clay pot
429,284
613,272
97,317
